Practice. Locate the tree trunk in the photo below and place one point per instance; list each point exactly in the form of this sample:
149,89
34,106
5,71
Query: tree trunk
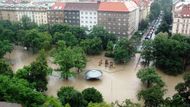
78,70
148,84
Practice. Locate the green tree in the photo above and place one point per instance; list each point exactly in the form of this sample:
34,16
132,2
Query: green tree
143,24
123,51
36,73
65,59
154,10
92,95
70,39
153,96
17,90
20,35
79,59
169,54
149,77
37,40
101,33
92,46
78,32
57,36
52,102
68,95
181,98
59,28
5,46
5,68
99,105
27,24
147,52
7,34
126,103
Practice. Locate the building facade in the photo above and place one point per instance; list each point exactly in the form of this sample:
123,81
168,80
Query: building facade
37,14
181,20
8,13
56,13
88,15
120,18
72,14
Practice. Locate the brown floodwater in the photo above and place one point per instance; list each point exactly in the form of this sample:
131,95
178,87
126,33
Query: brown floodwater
118,83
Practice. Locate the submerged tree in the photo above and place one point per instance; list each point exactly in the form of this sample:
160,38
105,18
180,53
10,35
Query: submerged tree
149,77
68,58
123,51
68,95
5,46
36,73
5,68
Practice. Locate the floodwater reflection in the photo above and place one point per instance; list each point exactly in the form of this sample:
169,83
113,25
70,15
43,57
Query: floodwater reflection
117,83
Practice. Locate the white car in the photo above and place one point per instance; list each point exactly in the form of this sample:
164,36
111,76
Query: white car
93,74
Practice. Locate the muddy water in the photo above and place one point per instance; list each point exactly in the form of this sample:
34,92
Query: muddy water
117,83
19,57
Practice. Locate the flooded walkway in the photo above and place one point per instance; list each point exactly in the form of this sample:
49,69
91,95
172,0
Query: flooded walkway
118,83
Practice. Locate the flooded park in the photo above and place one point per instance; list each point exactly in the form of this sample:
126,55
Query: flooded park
118,83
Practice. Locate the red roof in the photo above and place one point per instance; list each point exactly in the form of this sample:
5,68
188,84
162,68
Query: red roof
185,12
113,7
137,2
58,6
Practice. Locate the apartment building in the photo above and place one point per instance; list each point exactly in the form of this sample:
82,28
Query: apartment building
181,20
8,12
37,14
120,18
56,13
144,8
88,15
72,14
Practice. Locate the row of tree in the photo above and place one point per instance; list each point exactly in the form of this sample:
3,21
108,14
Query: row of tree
168,53
153,94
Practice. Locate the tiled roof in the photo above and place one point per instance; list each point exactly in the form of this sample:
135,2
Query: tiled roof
58,6
185,12
131,5
138,2
81,6
113,7
5,104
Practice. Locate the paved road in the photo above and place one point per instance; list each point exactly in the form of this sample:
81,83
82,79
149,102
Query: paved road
150,33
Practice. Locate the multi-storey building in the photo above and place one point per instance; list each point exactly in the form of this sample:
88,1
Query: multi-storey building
72,14
88,15
37,14
56,13
8,12
120,18
181,20
144,6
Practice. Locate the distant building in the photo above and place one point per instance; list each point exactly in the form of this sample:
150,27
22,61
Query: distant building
56,13
72,14
88,15
181,19
8,13
144,8
37,14
120,18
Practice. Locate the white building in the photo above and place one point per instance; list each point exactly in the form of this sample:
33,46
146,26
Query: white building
37,14
88,15
181,19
